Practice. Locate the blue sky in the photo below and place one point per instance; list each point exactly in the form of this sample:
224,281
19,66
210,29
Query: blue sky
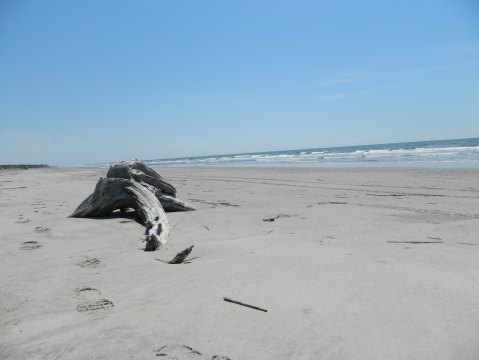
97,81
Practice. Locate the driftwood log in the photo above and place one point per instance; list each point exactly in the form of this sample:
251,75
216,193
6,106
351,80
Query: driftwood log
132,184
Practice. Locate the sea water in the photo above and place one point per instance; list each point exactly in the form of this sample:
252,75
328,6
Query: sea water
458,153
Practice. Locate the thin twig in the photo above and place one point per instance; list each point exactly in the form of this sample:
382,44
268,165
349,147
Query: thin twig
415,242
243,304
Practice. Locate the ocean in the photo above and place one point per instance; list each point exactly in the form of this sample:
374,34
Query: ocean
454,153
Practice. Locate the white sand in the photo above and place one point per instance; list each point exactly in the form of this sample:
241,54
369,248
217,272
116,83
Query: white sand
333,286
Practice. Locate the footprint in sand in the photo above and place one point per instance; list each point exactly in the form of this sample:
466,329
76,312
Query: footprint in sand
95,307
183,352
91,301
88,293
30,245
22,220
307,311
89,262
42,230
38,205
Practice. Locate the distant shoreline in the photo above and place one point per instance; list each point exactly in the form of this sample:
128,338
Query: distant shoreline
23,166
460,153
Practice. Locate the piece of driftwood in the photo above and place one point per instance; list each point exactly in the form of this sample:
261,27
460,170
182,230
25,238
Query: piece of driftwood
113,193
164,191
181,256
172,204
243,304
143,173
132,184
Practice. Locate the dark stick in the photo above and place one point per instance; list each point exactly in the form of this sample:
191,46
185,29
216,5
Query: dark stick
243,304
181,256
415,242
271,219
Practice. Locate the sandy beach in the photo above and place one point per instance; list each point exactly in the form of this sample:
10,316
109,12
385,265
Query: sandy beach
357,264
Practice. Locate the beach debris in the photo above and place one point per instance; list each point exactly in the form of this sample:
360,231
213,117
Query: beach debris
414,242
132,184
405,194
271,219
180,257
243,304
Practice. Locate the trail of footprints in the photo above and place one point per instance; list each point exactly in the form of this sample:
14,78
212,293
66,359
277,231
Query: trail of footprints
34,245
91,301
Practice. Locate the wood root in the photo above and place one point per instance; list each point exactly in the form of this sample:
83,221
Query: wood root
112,194
132,184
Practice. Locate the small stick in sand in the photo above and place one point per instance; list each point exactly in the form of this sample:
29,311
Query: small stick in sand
271,219
243,304
415,242
181,256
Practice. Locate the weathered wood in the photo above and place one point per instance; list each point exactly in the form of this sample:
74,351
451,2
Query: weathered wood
164,191
172,204
124,169
181,256
132,184
118,193
243,304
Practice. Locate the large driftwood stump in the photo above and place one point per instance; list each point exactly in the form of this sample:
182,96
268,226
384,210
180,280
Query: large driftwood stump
124,169
132,184
164,191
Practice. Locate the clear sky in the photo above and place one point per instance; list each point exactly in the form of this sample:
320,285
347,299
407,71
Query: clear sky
97,81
